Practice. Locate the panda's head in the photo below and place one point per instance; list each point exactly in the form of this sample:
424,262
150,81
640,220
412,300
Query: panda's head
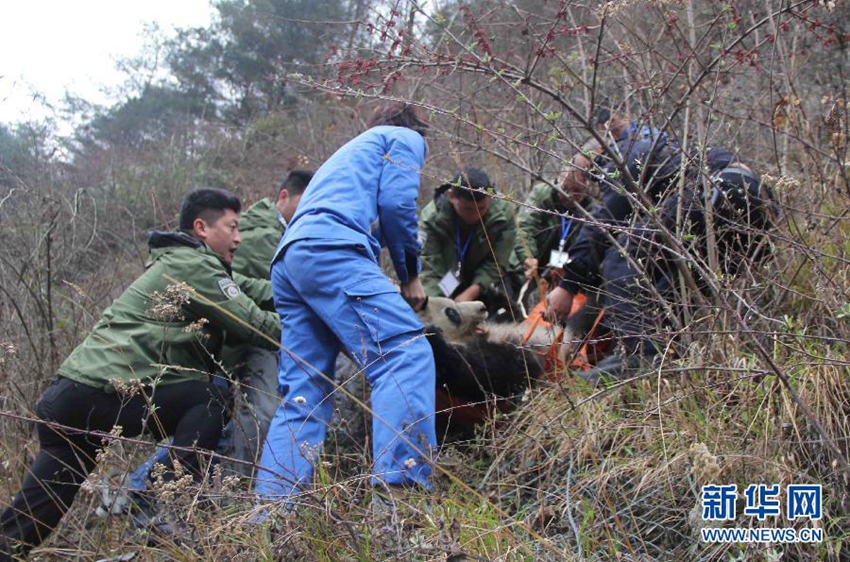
457,320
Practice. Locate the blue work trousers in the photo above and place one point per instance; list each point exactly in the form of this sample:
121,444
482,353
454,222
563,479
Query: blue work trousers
332,298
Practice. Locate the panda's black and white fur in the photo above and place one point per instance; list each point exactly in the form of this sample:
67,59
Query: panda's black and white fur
476,362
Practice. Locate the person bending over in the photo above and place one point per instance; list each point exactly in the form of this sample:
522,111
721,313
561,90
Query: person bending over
468,237
332,296
146,365
261,227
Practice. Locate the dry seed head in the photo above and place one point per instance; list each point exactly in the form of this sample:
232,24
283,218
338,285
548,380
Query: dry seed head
112,448
88,487
230,483
197,326
168,305
706,468
833,118
786,183
126,388
174,488
7,349
614,7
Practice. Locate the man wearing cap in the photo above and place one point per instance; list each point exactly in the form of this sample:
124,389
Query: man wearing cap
467,239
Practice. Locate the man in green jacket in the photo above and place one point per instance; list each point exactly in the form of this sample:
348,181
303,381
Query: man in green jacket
147,364
262,225
467,241
255,368
549,223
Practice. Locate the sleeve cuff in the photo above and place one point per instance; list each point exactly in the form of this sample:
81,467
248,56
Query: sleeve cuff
569,285
407,265
411,262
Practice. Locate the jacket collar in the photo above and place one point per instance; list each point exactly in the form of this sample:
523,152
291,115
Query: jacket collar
161,241
170,238
260,215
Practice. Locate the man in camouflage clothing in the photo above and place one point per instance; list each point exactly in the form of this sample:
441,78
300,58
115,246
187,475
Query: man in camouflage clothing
468,237
147,365
262,225
551,220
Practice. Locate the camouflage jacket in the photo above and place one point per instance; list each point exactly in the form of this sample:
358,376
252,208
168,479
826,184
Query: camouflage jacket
439,228
540,232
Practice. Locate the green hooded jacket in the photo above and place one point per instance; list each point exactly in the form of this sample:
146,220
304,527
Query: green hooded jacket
157,333
438,226
261,231
539,233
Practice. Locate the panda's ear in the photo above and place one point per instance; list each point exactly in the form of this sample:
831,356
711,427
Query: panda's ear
453,316
432,308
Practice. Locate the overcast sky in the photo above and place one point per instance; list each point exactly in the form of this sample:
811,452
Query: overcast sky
54,46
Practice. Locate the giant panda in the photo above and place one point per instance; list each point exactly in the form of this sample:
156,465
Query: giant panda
476,362
480,368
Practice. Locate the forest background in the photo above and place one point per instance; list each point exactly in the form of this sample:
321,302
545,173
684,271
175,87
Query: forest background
760,396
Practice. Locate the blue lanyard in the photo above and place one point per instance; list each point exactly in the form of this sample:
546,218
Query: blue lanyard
565,230
458,252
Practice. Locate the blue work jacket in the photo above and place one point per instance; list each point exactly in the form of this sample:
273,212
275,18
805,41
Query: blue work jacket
365,195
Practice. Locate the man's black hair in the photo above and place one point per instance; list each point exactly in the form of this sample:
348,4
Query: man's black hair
296,182
207,203
604,109
601,111
474,178
601,115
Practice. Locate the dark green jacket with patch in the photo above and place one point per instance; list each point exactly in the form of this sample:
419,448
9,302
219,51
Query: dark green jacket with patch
539,233
261,230
159,332
438,230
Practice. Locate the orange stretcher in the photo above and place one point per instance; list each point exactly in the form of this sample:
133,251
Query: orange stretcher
553,366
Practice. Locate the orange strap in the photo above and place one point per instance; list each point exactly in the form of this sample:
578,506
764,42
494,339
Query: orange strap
553,366
536,320
579,359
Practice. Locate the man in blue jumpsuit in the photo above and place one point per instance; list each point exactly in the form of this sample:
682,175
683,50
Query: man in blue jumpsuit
332,296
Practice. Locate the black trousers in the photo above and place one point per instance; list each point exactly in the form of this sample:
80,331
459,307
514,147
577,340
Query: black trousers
632,311
193,412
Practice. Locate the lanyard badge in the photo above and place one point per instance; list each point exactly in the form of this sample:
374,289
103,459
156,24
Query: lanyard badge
460,253
451,280
559,258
